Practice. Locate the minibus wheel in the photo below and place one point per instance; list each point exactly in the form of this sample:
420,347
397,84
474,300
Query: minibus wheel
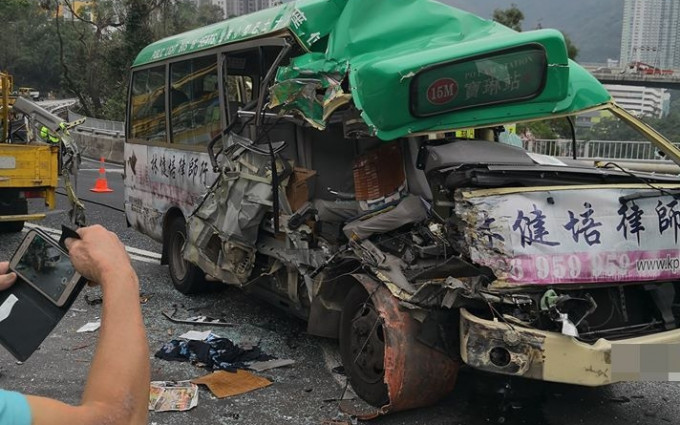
186,277
384,359
362,347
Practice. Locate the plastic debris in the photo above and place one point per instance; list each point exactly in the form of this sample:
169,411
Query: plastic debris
197,320
270,364
167,396
89,327
196,335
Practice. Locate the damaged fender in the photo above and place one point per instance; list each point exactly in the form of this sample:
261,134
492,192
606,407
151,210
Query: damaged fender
416,375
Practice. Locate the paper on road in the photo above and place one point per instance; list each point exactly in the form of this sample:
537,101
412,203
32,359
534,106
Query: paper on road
196,335
166,396
89,327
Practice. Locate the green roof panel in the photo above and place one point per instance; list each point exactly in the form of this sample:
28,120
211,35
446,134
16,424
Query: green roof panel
309,20
412,65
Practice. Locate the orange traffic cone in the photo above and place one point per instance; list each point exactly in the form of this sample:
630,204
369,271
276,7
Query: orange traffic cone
101,185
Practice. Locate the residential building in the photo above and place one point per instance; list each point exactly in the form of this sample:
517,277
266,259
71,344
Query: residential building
651,33
82,8
233,8
641,101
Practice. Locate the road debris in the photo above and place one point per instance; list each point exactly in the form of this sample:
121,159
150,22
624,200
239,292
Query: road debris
248,342
213,353
225,384
196,320
167,396
621,399
196,335
340,370
79,347
92,300
89,327
270,364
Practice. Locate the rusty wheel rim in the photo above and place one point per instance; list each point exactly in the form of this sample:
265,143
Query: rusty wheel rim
178,263
367,344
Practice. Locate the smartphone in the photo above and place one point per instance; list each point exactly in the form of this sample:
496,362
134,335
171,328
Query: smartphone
46,267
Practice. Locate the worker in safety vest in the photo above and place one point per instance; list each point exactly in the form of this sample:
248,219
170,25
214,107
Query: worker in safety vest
48,136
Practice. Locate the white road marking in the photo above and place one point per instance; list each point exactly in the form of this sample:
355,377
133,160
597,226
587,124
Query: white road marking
136,254
108,170
142,259
143,252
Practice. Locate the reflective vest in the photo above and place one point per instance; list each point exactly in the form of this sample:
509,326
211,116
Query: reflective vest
47,135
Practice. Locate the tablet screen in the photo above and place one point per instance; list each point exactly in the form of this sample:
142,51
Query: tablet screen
46,267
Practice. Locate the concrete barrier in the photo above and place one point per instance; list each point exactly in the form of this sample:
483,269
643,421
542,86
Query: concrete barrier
99,138
95,146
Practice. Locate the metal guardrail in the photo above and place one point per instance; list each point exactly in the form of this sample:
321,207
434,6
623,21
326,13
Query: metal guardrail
57,106
597,149
585,149
98,126
625,76
103,132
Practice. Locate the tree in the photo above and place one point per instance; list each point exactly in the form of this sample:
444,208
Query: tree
209,14
572,50
28,46
612,128
108,36
511,17
669,126
540,129
179,16
89,56
85,69
558,128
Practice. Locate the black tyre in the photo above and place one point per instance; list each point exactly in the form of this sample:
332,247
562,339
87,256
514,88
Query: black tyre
362,347
12,204
186,277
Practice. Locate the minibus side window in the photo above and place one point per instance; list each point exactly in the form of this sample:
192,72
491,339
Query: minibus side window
147,115
194,101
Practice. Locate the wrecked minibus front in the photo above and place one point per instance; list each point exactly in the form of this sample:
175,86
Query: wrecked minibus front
345,160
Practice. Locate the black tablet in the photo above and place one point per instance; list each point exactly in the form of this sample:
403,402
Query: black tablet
46,286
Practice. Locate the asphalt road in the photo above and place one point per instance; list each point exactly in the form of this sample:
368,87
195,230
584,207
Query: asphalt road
305,392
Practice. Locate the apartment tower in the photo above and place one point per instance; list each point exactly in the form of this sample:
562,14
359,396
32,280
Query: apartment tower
651,33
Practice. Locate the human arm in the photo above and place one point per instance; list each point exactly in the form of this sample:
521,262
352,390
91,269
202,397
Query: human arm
6,278
117,388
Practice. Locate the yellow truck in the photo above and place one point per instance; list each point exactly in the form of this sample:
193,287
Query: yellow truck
27,170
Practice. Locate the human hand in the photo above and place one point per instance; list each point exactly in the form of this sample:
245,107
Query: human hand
6,278
99,255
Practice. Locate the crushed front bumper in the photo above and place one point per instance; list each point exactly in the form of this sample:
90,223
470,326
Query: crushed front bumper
550,356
